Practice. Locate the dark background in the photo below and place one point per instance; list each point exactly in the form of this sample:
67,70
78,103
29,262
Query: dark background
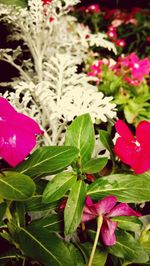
118,3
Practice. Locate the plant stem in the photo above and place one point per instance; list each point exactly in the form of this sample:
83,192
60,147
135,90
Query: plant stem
99,224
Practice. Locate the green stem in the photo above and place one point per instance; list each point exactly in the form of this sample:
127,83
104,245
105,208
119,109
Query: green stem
99,224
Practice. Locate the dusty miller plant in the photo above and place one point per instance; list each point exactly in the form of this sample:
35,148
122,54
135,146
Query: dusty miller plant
49,87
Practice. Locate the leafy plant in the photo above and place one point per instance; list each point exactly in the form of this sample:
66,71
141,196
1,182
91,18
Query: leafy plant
43,205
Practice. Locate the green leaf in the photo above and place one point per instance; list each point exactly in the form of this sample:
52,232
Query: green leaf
58,186
3,207
35,204
43,246
52,223
76,255
74,207
16,186
106,140
48,160
128,248
127,188
80,134
128,223
94,165
100,256
22,3
145,239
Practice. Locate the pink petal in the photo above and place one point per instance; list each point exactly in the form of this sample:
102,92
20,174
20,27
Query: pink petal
28,124
108,232
17,144
123,209
142,164
88,201
17,134
105,205
123,130
143,134
125,150
87,217
89,211
6,110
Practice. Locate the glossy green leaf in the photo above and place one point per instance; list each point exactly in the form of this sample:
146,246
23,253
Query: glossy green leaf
58,186
80,134
48,160
43,246
94,165
35,204
74,207
128,248
16,186
53,223
127,188
106,140
128,223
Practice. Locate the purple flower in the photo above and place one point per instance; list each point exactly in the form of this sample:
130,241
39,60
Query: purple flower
17,134
106,207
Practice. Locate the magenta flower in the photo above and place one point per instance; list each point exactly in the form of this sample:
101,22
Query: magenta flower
96,69
106,207
139,68
17,134
134,151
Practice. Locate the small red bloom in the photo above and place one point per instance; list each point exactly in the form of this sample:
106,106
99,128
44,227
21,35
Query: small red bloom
107,208
134,151
93,9
45,2
120,43
90,177
17,134
111,28
112,34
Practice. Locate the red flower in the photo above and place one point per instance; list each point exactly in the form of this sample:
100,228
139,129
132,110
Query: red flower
45,2
120,43
106,207
93,9
112,34
134,151
17,134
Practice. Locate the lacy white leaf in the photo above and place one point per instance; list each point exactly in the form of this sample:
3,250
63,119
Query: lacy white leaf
98,39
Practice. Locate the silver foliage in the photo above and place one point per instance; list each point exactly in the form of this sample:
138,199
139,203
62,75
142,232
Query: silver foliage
49,88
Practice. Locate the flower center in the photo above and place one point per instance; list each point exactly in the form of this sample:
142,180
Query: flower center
136,65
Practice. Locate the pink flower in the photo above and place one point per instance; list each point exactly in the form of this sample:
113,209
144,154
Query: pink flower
17,134
96,68
134,151
132,68
93,9
106,207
